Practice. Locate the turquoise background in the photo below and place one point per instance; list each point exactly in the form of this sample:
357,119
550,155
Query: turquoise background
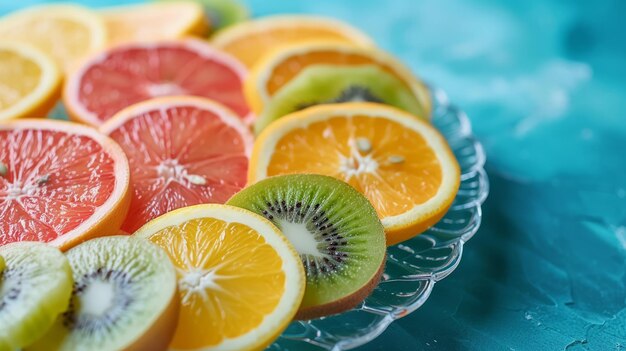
544,83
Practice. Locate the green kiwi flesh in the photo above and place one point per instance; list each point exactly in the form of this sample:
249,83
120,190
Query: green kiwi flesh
224,13
124,297
335,230
325,84
35,287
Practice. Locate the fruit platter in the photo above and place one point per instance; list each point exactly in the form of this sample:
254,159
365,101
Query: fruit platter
219,181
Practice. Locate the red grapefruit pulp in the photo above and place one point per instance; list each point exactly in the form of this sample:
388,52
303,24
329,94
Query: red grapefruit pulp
60,183
182,151
127,74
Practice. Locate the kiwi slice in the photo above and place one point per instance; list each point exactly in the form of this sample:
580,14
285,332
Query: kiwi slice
35,287
326,84
124,298
224,13
334,229
2,264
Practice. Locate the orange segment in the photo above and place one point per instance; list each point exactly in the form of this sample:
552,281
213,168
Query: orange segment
401,164
279,66
250,40
240,281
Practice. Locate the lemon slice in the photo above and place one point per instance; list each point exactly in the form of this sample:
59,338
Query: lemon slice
66,32
240,281
30,82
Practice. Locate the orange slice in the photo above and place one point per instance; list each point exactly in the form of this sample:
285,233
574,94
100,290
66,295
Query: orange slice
400,163
250,40
154,21
30,82
60,183
279,66
240,280
65,32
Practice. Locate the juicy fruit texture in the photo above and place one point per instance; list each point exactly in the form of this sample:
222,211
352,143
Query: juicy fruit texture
30,82
324,84
155,21
335,230
224,13
125,75
65,32
35,287
2,264
250,40
62,183
123,298
240,281
182,151
400,163
278,67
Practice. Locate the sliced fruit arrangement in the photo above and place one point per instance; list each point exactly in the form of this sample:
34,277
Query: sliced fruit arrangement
30,82
335,230
324,84
248,41
278,67
66,32
154,21
182,151
399,162
124,298
35,287
240,281
60,183
131,73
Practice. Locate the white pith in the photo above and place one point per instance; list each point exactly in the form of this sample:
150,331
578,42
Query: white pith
97,298
301,238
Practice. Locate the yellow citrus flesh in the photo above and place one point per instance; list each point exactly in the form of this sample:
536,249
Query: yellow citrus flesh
30,82
240,281
400,163
248,41
65,32
279,66
154,21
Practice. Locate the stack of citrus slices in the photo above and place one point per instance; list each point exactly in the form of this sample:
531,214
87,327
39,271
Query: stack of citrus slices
209,189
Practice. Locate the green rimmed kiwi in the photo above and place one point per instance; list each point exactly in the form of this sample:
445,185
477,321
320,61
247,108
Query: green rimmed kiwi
224,13
123,298
35,287
335,230
325,84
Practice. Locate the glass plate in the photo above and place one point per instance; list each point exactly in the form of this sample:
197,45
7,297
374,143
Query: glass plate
414,266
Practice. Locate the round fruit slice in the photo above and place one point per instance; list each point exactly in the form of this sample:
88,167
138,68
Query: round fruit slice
400,163
224,13
124,298
35,287
278,67
60,182
240,281
66,32
124,75
335,230
182,151
154,21
248,41
30,82
324,84
2,264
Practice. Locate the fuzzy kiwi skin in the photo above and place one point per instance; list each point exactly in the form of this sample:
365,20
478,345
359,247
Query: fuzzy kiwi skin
342,305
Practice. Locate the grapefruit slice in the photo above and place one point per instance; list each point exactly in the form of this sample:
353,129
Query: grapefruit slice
60,183
131,73
183,151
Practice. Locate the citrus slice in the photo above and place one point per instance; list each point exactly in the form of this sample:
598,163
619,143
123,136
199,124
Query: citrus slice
240,281
131,73
30,82
400,163
65,32
279,66
182,151
154,21
248,41
60,183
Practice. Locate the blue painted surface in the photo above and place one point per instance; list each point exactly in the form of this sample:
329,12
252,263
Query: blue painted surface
544,83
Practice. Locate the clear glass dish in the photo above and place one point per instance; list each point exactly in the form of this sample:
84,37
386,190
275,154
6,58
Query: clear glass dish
413,267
